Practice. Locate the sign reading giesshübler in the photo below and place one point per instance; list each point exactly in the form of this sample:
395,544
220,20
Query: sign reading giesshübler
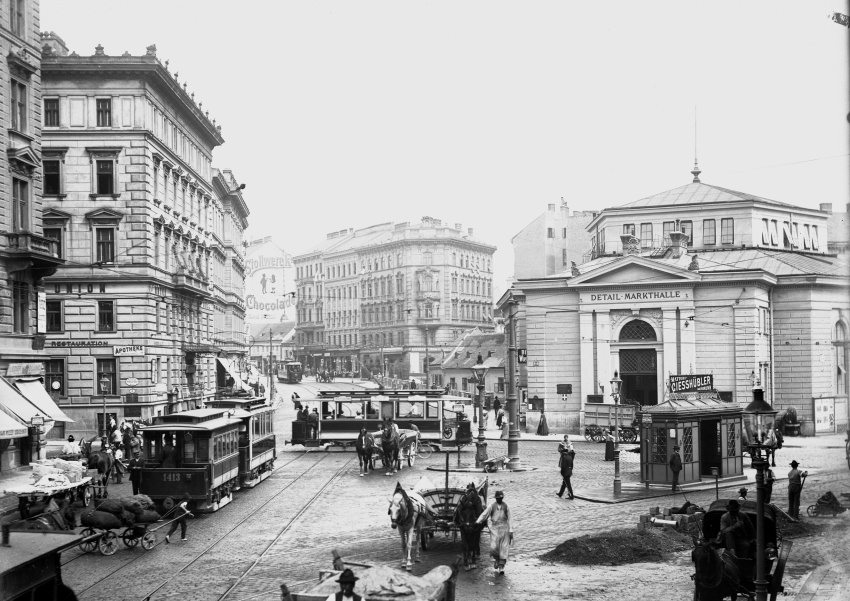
691,383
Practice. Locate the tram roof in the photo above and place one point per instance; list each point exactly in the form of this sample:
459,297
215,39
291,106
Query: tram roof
207,426
26,546
251,404
392,394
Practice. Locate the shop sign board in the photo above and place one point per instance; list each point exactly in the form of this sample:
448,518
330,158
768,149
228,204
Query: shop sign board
132,381
72,343
692,383
824,415
646,419
24,369
134,350
522,355
42,312
564,388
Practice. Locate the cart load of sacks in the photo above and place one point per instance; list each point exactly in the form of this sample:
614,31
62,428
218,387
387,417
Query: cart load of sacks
71,470
115,513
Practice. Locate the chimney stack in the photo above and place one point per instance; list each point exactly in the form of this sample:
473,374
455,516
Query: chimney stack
551,208
826,207
459,227
565,209
678,243
470,231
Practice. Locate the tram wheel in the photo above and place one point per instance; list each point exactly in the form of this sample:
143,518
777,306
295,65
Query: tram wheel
129,539
148,541
108,544
88,546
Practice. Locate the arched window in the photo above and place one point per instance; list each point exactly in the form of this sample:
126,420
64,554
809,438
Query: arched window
637,329
840,345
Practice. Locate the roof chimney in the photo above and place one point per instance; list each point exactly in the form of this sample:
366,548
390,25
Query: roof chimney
826,207
565,209
470,231
52,44
678,243
459,227
551,208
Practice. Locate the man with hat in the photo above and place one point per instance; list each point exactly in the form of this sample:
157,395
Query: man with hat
742,494
71,447
135,468
736,530
501,530
346,587
795,487
675,464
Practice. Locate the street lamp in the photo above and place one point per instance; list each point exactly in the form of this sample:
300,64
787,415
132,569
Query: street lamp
104,390
764,415
479,372
616,383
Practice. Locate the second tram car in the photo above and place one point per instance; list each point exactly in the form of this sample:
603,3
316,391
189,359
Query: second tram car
290,372
441,419
208,453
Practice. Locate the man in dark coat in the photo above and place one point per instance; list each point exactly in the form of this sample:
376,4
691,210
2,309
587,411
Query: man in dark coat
795,487
566,465
135,468
675,464
736,530
346,592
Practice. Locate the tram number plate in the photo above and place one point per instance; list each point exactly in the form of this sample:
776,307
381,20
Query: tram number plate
171,477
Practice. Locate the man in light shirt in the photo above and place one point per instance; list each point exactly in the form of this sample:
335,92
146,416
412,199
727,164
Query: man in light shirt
71,447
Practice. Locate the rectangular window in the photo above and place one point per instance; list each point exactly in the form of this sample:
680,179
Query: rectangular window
20,307
54,316
688,445
564,233
106,377
709,232
629,228
550,232
564,257
500,385
105,244
54,371
55,233
104,112
646,235
731,440
687,228
52,177
105,316
17,15
659,445
105,181
666,228
19,106
20,205
51,112
727,231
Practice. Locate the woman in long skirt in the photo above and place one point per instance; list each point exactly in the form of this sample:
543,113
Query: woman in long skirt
542,427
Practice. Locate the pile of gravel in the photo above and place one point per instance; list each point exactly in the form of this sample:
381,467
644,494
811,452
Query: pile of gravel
617,547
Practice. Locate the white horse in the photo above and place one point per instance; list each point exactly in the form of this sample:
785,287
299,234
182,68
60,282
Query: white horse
408,515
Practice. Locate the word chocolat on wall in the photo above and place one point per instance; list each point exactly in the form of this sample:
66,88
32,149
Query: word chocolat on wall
794,235
624,296
276,305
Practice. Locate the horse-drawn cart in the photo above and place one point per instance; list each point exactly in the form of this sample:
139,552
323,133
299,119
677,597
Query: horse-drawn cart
29,496
443,502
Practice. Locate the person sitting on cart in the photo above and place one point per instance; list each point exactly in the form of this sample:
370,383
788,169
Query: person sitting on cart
71,447
736,531
346,582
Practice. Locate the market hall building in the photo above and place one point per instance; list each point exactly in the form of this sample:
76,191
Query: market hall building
697,280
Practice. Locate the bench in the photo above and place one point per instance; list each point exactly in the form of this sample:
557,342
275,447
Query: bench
495,463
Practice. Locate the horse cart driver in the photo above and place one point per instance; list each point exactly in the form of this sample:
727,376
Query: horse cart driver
736,531
71,447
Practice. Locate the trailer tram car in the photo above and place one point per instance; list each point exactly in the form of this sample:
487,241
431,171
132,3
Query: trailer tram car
441,419
257,450
290,372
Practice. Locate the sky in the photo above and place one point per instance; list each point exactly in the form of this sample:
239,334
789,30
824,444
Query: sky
344,114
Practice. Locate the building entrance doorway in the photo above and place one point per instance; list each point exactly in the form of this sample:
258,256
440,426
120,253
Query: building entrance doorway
638,370
709,446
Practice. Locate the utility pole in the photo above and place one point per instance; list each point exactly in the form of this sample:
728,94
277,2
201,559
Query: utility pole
271,377
513,419
427,362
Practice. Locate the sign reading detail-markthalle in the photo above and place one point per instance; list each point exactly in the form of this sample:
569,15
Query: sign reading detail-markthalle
691,383
633,296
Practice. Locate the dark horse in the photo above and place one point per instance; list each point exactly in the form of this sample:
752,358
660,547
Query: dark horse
389,448
104,462
365,445
717,577
468,510
55,517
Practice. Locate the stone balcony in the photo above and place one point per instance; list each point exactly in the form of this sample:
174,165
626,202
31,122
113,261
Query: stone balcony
41,252
191,282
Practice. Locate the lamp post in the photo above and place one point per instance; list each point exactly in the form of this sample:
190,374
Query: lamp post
479,372
761,410
511,401
616,383
104,390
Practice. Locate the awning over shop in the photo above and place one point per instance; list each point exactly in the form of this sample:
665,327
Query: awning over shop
10,427
16,404
33,389
234,373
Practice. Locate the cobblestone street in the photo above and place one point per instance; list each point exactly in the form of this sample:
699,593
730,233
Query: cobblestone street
284,530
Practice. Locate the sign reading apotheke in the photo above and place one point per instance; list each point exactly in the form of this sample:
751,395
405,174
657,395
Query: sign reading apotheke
607,297
138,351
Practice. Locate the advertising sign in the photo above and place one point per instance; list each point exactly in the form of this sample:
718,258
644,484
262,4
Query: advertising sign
42,312
522,355
134,350
692,383
824,415
24,369
269,280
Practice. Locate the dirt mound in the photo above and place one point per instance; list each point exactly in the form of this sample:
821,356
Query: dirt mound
617,547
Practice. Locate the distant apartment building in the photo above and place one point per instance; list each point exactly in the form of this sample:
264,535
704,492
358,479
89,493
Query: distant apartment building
551,242
388,298
148,310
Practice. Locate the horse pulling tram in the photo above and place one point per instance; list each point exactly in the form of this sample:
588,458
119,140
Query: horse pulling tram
719,576
208,453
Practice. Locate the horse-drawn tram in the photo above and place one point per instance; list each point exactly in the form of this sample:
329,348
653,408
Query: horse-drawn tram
208,453
29,564
340,415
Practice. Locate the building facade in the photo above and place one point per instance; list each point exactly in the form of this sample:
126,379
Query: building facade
551,242
699,280
27,256
381,299
151,236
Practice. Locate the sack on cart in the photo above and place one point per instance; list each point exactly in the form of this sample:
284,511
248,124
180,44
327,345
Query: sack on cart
99,519
147,517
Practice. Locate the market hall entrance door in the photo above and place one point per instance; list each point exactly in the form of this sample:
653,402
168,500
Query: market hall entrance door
639,372
709,446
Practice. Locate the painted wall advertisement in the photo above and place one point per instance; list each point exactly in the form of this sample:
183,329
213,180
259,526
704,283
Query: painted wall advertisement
824,415
269,279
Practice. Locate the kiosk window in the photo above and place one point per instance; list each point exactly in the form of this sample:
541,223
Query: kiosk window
411,409
731,436
659,445
688,445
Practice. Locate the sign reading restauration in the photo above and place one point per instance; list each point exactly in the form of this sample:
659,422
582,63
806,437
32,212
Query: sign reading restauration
691,383
64,343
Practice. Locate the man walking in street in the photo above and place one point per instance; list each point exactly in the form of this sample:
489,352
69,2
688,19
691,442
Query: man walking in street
675,464
566,465
769,479
501,531
795,487
182,513
135,469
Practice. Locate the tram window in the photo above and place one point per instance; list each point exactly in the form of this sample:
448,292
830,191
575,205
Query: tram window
433,409
268,423
219,447
372,410
349,410
256,425
188,447
202,452
410,409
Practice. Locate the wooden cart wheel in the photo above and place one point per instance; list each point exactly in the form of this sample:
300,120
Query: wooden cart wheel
91,545
423,450
129,539
108,544
411,456
148,541
812,510
423,540
86,495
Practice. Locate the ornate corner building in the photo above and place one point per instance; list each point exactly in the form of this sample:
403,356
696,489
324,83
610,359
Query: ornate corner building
388,298
148,308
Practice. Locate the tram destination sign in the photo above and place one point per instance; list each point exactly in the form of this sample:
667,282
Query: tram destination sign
692,383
